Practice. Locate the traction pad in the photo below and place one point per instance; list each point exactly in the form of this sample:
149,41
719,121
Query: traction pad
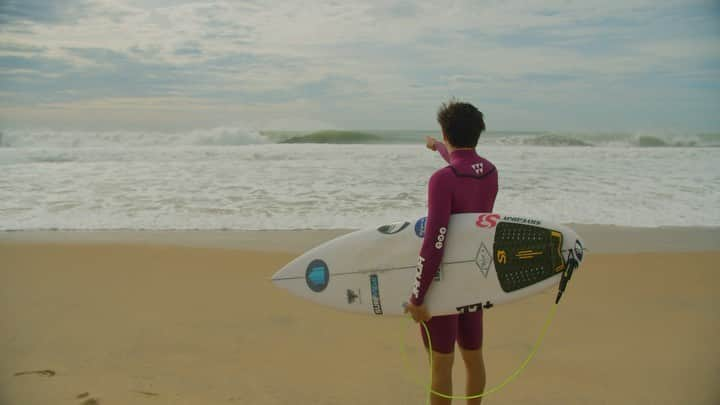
525,255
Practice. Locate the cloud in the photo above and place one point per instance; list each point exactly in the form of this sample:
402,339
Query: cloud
14,48
189,48
41,11
37,64
390,60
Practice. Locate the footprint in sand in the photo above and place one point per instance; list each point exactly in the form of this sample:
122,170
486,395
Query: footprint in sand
147,393
89,401
46,373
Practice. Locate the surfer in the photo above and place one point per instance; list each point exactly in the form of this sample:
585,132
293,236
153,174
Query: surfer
468,184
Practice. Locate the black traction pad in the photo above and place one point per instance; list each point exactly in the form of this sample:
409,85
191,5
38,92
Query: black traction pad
525,255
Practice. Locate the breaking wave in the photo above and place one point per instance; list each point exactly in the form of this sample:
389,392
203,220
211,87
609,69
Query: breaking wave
336,137
237,136
555,140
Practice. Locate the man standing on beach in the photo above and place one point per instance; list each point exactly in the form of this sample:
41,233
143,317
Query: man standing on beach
468,184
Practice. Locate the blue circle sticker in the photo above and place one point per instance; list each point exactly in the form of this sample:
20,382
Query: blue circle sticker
420,227
317,275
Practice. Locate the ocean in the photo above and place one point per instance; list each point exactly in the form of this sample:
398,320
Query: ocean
233,178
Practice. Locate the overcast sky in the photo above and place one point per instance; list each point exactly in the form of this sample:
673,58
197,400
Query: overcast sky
608,65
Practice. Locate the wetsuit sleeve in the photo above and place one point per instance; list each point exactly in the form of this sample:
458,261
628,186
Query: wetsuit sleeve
442,150
439,209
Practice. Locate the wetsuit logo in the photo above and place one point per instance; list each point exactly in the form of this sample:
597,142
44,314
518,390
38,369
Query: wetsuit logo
440,238
478,168
418,276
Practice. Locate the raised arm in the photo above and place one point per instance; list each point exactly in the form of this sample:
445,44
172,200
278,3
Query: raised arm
436,227
442,150
434,144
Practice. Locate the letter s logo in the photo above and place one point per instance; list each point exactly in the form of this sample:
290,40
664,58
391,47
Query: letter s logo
487,220
501,257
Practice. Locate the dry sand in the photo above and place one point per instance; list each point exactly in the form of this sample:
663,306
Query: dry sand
122,323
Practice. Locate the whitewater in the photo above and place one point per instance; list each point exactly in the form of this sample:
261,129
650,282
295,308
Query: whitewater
233,178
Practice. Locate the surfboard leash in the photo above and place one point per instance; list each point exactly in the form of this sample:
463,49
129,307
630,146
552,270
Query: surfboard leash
572,264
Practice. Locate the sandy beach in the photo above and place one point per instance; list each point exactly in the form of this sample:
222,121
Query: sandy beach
192,318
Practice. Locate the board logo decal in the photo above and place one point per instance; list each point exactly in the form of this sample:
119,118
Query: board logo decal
521,220
487,220
474,307
392,229
353,296
375,293
317,275
528,254
501,257
483,259
420,227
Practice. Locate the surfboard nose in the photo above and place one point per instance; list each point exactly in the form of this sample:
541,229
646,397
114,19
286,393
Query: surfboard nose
303,275
287,272
277,276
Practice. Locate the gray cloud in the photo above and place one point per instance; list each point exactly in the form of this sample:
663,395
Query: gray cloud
39,64
117,75
146,52
189,48
402,9
21,48
42,11
354,61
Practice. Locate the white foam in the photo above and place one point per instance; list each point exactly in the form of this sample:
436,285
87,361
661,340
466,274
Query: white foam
108,139
273,186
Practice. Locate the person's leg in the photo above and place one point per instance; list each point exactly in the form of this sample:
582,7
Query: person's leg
470,335
442,337
475,366
441,377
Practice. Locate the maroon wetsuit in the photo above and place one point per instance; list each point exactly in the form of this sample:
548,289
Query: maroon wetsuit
468,184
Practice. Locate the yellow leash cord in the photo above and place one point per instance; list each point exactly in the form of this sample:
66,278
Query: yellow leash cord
499,386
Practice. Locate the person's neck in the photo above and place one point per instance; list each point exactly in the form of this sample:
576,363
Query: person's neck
452,149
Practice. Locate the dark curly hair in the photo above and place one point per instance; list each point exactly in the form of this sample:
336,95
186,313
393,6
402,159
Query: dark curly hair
461,122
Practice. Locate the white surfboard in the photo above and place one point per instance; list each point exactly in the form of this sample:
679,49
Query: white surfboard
489,259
